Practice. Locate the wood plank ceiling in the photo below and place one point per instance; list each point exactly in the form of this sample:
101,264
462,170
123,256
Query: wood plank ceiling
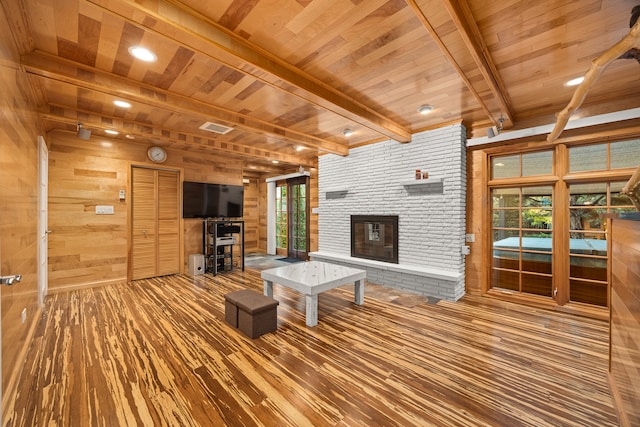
289,76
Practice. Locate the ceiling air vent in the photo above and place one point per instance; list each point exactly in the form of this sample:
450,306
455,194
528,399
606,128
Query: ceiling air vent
216,128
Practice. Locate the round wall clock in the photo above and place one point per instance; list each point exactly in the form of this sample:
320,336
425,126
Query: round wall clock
157,154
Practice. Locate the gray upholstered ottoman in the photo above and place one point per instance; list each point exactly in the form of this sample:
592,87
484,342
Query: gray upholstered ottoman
251,312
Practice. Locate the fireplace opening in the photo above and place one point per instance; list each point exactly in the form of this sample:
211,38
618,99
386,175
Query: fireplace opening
375,237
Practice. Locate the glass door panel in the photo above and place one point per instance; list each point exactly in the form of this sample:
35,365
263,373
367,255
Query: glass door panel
588,204
522,240
281,219
298,218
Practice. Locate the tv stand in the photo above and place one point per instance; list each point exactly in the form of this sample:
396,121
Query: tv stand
219,237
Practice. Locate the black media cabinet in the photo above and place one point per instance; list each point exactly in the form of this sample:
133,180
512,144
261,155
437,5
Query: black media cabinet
219,237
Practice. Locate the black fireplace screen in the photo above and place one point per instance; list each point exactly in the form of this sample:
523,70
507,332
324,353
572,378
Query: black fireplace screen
375,237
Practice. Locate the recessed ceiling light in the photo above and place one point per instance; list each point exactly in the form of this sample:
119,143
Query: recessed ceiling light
300,148
424,109
111,132
348,132
574,82
143,54
275,161
121,104
129,136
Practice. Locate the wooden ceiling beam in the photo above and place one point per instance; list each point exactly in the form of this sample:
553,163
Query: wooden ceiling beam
176,21
70,116
53,67
488,91
468,29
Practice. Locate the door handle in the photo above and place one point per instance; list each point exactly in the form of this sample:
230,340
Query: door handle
48,231
10,280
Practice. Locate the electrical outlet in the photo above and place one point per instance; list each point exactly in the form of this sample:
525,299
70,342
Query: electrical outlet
470,238
104,210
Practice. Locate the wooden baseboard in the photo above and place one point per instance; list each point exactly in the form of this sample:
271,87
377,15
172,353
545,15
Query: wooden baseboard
87,285
549,304
617,402
9,392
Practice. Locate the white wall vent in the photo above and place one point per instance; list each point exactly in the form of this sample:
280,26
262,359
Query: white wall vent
216,128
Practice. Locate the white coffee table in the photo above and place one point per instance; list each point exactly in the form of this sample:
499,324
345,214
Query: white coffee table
311,278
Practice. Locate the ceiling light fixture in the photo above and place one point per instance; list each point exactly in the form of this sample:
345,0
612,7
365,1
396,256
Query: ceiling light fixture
275,162
300,147
111,132
143,54
348,132
121,104
424,109
574,82
129,136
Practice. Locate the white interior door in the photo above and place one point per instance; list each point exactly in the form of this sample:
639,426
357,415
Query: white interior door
43,221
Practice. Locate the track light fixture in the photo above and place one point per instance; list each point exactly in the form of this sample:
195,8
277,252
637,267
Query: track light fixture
495,130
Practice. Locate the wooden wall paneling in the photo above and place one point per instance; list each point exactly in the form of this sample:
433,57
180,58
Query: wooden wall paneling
262,216
86,249
313,203
144,237
192,232
624,363
251,214
19,130
478,263
169,216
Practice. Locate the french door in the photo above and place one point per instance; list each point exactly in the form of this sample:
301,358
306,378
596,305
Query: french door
548,220
298,244
292,218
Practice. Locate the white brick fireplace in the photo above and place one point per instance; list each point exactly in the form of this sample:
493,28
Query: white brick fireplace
379,179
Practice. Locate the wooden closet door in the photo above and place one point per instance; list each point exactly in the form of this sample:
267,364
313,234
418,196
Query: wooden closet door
168,223
155,229
144,220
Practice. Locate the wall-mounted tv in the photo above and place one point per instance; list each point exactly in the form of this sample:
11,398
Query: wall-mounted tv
204,200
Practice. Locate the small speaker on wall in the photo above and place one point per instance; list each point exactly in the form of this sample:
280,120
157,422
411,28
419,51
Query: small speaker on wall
83,133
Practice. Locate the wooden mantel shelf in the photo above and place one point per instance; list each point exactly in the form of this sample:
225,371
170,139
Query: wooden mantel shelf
421,182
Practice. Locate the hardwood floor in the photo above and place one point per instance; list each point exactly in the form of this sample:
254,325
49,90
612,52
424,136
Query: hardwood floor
158,352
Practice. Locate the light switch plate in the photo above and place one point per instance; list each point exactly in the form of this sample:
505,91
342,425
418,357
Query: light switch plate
104,210
470,238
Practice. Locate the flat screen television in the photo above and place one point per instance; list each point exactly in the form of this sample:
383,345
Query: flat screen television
204,200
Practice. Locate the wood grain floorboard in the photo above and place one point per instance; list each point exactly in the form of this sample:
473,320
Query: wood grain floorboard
158,352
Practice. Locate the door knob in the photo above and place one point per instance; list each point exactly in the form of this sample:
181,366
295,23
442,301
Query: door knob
10,280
